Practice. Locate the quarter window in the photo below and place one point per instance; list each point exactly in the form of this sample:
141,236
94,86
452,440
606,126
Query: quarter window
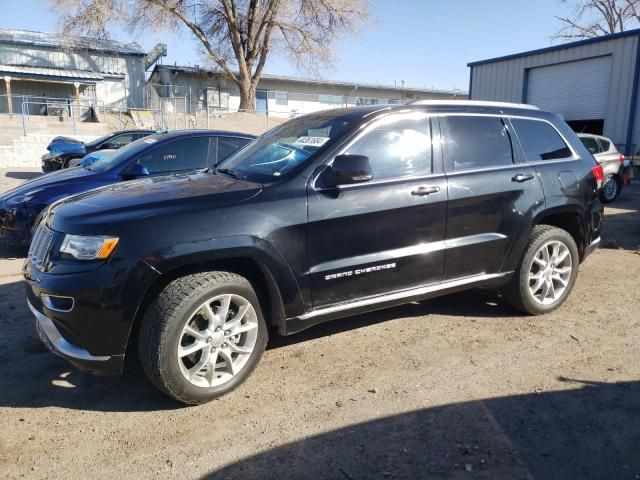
476,142
605,145
396,148
188,154
540,140
591,144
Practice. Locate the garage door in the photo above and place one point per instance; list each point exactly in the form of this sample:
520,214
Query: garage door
578,90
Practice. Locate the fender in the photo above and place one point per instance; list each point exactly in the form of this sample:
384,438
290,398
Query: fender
243,246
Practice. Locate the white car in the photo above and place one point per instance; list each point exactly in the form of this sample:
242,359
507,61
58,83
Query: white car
612,161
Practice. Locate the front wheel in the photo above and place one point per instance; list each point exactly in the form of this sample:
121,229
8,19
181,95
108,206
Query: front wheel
610,189
547,272
202,336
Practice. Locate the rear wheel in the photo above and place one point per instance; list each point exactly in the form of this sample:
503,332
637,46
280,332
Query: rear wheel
547,272
202,336
610,189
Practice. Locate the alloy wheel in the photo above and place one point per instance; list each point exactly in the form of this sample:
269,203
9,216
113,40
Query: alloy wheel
610,189
216,342
550,272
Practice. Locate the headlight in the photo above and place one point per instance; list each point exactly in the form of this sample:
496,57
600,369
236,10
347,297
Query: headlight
88,248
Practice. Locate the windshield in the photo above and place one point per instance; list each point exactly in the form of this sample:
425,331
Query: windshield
283,148
118,156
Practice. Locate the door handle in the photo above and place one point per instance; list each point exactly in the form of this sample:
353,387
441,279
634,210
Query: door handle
423,191
522,177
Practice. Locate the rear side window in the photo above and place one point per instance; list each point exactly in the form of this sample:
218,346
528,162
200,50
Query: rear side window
605,145
187,154
396,147
591,144
227,146
540,140
476,142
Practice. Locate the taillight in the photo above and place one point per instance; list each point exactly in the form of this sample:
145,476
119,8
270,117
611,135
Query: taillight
598,172
621,158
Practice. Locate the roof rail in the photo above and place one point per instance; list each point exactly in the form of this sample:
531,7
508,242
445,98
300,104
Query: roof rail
476,103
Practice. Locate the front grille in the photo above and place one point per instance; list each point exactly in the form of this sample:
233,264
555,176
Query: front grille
40,244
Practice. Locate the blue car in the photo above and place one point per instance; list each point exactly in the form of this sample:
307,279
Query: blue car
63,150
150,156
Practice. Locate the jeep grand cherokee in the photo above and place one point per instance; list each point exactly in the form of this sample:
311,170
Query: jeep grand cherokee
325,216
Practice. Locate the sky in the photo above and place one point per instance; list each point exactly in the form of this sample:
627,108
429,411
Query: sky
423,42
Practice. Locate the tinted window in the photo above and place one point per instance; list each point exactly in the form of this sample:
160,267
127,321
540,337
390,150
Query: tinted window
476,142
121,140
540,140
396,148
229,145
605,145
187,154
591,144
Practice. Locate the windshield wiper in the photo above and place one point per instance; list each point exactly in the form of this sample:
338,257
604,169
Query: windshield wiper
227,171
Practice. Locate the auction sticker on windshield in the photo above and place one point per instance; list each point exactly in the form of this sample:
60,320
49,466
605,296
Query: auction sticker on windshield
313,141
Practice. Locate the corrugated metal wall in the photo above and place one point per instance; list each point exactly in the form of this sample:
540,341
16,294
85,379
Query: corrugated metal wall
504,80
131,66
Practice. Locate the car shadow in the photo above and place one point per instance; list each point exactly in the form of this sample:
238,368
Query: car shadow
621,229
11,252
590,431
32,377
469,304
23,175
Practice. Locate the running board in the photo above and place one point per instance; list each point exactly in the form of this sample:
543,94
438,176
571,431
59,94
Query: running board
391,297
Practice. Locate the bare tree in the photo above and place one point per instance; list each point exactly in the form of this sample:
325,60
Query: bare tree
236,35
594,18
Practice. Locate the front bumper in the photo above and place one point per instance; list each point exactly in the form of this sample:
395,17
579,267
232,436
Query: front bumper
94,332
49,334
51,164
15,226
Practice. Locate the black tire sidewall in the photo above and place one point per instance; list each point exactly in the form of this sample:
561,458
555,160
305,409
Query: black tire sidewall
179,386
528,300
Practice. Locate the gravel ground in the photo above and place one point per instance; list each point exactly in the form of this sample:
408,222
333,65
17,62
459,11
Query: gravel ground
456,387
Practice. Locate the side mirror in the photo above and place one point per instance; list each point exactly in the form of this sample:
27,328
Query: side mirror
134,171
347,170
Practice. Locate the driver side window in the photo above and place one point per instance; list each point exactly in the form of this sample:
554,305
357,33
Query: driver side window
187,154
396,148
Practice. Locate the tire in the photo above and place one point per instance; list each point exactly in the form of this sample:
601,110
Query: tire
178,322
530,271
610,190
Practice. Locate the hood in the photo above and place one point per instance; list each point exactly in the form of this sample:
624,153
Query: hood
59,178
66,145
94,157
134,200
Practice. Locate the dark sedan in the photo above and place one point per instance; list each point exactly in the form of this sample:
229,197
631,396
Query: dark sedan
63,151
153,155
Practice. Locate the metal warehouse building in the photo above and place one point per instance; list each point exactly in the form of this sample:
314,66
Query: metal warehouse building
37,65
592,83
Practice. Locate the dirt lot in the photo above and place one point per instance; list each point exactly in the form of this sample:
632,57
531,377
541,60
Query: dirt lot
456,387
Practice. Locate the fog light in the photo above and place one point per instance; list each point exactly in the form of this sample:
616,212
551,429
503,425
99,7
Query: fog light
58,303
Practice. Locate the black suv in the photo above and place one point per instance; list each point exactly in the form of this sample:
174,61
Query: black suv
325,216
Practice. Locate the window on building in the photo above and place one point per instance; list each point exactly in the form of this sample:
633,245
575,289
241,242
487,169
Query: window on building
187,154
476,142
282,98
396,148
540,140
330,99
366,101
